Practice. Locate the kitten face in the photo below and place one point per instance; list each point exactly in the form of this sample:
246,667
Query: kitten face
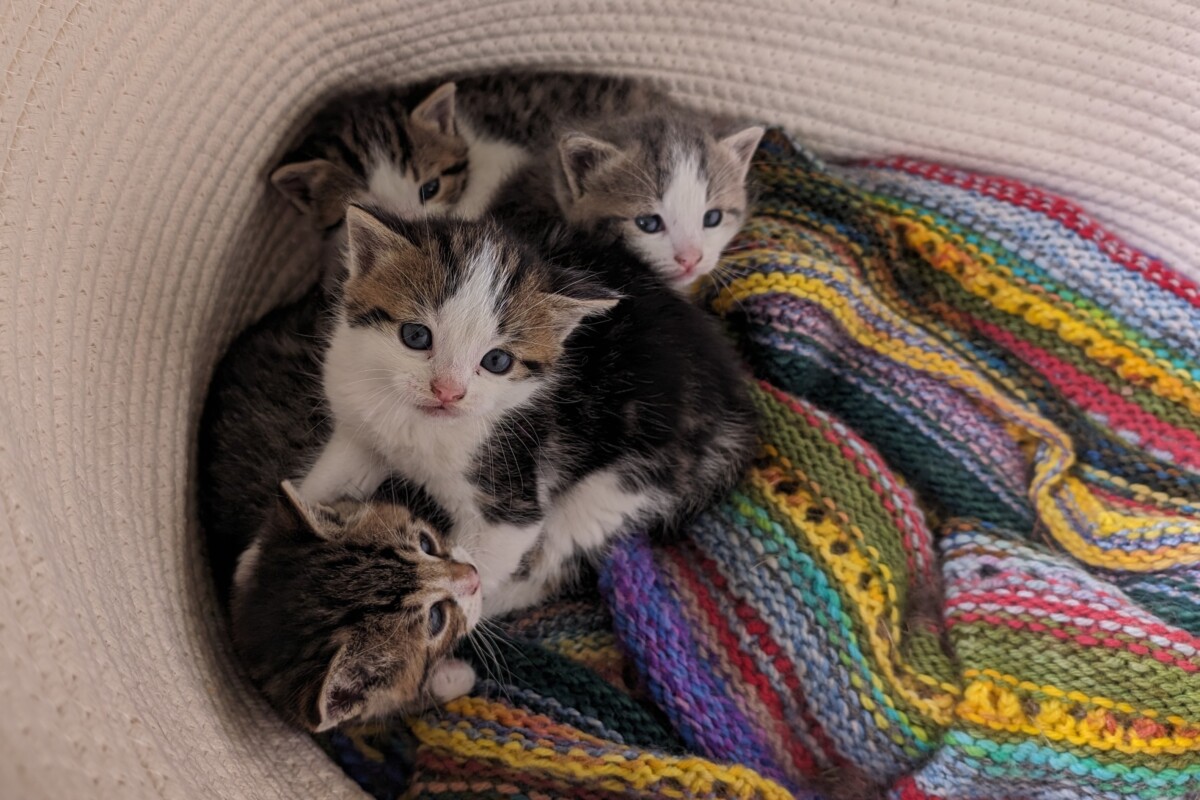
450,320
375,151
343,612
675,193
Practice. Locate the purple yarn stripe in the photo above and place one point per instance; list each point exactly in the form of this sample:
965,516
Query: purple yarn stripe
653,632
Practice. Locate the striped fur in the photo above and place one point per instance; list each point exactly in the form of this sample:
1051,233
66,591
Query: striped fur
339,614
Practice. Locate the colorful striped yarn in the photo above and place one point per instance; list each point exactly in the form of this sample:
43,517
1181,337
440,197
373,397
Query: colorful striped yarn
934,350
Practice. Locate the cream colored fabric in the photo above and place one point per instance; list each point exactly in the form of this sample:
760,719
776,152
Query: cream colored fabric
137,234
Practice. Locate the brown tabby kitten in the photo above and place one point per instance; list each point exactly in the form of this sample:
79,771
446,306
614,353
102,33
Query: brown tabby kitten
348,612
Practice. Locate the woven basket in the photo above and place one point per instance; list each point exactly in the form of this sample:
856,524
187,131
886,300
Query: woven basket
138,235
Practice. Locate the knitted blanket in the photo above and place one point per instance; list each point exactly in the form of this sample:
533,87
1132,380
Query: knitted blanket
966,563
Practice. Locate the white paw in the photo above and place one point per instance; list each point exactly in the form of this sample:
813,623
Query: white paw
451,679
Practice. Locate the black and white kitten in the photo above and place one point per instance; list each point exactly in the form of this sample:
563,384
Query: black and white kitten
544,412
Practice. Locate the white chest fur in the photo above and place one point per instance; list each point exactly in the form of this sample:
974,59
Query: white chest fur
438,454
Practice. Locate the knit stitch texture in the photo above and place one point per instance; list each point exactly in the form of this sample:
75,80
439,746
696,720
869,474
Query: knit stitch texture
934,350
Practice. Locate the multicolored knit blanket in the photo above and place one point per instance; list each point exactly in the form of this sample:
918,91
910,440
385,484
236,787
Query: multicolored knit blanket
965,565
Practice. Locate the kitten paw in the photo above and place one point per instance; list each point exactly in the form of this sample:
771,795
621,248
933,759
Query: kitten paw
451,679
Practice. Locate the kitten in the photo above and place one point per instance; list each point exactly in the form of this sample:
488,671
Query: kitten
545,416
264,420
667,183
431,150
348,613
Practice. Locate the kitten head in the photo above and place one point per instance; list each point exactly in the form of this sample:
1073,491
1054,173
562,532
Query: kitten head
375,149
342,612
668,185
451,319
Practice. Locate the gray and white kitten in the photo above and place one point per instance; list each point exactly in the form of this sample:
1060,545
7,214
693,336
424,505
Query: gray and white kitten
546,413
430,150
670,184
349,612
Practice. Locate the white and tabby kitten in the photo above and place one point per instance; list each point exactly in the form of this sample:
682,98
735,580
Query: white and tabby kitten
545,416
670,184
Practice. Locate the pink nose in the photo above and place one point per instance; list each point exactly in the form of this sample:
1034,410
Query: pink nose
688,259
470,584
447,391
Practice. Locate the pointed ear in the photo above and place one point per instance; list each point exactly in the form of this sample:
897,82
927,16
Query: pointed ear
582,157
576,304
742,145
436,112
343,693
317,188
318,519
371,241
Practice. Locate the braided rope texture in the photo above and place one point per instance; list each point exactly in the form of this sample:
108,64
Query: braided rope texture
933,350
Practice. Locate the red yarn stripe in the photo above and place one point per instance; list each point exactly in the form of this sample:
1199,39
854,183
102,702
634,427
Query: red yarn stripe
801,757
1082,639
1057,208
1093,396
906,789
916,538
1048,605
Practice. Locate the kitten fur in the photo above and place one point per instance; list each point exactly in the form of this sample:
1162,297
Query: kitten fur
437,148
348,613
265,420
613,415
675,171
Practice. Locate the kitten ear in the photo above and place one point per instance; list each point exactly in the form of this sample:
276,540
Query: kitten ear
320,520
317,188
371,241
436,112
743,144
575,304
582,156
343,693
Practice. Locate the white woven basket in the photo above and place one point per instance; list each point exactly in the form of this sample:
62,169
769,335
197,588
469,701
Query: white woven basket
137,235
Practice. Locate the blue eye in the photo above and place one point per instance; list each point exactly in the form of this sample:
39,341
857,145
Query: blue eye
497,361
712,218
649,223
416,336
437,618
429,189
427,545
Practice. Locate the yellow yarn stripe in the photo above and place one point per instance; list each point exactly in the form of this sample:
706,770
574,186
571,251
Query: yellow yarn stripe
873,608
694,776
976,279
990,701
1051,483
